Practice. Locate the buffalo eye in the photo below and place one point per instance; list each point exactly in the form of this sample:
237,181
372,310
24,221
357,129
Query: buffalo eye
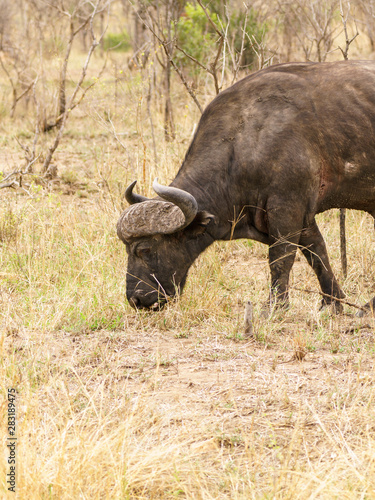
143,252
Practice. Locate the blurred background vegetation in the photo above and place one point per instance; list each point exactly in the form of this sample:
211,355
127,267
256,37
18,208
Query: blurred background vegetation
167,54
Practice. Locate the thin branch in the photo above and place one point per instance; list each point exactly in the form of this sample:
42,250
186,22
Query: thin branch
164,43
71,103
30,155
18,173
212,70
16,98
192,58
239,57
12,184
336,299
214,64
221,34
188,88
348,40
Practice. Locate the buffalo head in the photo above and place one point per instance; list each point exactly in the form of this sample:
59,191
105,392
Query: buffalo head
163,237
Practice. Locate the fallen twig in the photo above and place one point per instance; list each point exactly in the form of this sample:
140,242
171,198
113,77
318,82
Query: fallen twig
356,328
343,301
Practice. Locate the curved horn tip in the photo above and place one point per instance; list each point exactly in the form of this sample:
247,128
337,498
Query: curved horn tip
130,188
131,197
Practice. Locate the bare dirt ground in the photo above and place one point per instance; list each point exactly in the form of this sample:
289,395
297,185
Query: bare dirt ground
284,428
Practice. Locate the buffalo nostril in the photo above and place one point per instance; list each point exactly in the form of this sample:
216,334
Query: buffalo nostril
135,302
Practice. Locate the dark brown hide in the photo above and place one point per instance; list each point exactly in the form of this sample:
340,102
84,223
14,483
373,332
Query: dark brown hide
270,152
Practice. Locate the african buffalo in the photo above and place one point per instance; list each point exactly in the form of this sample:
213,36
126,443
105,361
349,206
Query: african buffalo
270,152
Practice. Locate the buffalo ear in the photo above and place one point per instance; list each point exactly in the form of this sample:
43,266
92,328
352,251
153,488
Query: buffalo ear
199,224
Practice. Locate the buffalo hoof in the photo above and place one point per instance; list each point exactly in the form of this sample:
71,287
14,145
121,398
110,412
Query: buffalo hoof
364,312
367,309
270,307
335,306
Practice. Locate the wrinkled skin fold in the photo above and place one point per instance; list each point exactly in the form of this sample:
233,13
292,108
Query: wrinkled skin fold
270,152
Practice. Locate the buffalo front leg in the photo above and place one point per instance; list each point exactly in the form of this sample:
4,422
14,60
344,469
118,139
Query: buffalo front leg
281,257
314,249
285,223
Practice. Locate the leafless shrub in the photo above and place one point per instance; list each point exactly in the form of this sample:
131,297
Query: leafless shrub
308,26
367,9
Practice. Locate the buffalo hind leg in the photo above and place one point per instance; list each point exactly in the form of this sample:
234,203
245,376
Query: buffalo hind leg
314,249
370,306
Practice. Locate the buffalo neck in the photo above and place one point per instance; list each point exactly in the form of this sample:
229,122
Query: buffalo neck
211,191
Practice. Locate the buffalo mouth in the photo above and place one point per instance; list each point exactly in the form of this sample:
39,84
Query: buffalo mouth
153,300
156,306
146,302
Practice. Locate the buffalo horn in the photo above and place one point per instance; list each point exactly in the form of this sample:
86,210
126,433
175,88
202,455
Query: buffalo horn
184,200
133,198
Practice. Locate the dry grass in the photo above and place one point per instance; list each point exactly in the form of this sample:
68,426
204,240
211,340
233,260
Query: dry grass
119,404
